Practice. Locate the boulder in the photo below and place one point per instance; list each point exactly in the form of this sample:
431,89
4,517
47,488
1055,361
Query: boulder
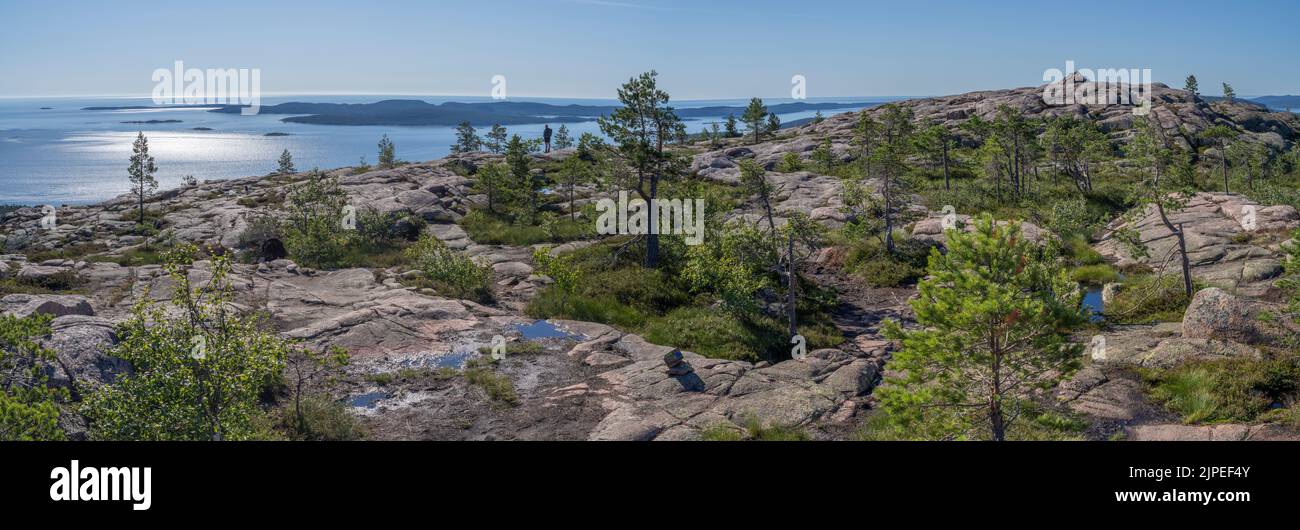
22,305
1216,314
82,343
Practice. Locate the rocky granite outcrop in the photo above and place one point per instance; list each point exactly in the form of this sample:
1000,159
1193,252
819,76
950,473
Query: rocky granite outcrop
1221,249
1182,114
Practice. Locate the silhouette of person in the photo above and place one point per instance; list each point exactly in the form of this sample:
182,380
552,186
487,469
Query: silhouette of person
546,137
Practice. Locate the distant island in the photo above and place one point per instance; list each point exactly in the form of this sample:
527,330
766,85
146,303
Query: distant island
1279,102
151,122
276,134
412,112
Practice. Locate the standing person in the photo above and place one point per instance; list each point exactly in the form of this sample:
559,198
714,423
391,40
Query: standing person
546,137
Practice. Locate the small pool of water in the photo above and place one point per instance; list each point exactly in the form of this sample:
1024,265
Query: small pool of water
369,400
1093,304
542,329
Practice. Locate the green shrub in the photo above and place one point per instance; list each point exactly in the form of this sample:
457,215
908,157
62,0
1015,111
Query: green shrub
452,273
218,359
325,419
65,280
496,229
1100,274
754,429
1148,298
314,231
260,227
29,408
497,387
1237,390
790,163
704,331
867,259
74,251
1190,393
1080,252
519,347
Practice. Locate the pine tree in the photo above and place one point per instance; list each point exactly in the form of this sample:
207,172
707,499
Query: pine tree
890,158
732,132
574,172
1192,86
496,139
286,164
1220,135
141,172
1153,151
387,153
932,141
1228,93
29,407
994,319
773,123
642,127
467,140
492,180
754,117
562,138
526,186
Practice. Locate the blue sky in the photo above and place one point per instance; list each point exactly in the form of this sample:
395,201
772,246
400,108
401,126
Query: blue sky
585,48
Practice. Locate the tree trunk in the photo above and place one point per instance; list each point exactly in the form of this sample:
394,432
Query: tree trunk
791,285
889,219
946,186
1223,161
1187,271
297,406
1182,248
996,420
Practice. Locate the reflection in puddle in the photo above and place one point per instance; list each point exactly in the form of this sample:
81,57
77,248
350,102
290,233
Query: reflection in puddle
543,329
1093,304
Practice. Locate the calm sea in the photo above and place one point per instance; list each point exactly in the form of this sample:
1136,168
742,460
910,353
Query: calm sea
65,155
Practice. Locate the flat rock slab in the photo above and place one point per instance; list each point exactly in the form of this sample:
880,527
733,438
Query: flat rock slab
1210,433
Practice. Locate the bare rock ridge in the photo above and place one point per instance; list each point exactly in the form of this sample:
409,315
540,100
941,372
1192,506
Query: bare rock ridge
599,382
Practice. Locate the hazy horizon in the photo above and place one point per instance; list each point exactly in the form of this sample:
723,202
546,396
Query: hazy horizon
587,48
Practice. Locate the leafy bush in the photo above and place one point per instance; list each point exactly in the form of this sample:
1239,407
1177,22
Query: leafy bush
198,377
452,273
314,230
260,228
867,259
1070,218
732,266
